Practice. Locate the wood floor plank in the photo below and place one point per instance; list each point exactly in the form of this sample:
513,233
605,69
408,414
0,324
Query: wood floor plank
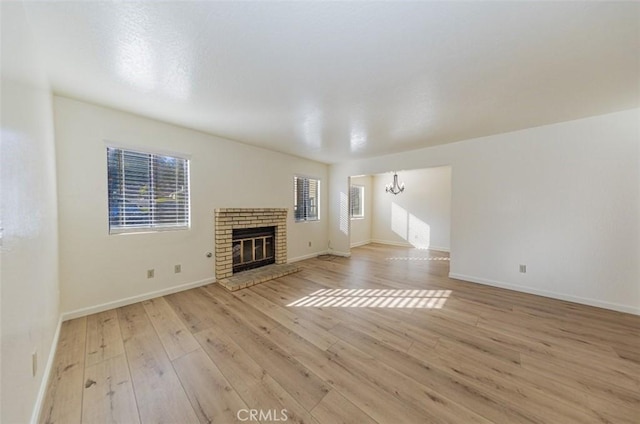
252,382
450,355
335,409
617,371
391,332
103,337
284,293
591,383
368,396
491,371
174,335
234,308
108,393
434,376
530,400
63,401
631,355
160,396
543,330
436,408
193,309
480,354
611,331
614,412
305,328
305,386
464,334
211,395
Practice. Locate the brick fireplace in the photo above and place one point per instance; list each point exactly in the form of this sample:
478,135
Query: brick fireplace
229,219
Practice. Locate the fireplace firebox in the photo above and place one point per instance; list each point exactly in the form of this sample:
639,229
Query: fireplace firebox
253,248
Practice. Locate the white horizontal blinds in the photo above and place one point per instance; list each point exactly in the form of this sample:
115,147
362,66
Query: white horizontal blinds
171,190
355,201
147,191
306,198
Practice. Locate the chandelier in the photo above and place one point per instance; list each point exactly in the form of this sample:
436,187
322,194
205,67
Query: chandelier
394,188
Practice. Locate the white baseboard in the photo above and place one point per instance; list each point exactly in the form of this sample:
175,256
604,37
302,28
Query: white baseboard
360,243
405,244
338,253
392,243
440,249
133,299
46,375
309,256
546,293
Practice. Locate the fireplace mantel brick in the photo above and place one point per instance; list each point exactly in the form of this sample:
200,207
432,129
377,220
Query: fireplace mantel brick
228,219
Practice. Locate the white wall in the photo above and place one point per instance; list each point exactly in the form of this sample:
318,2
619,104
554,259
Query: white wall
360,230
28,210
564,199
421,215
101,269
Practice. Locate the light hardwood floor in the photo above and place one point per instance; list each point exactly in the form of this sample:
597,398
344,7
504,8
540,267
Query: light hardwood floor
384,336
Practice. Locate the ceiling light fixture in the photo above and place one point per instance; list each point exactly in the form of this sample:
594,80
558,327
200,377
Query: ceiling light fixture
394,188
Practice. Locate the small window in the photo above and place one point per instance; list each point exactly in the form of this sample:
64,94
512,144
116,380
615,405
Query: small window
306,199
356,201
147,191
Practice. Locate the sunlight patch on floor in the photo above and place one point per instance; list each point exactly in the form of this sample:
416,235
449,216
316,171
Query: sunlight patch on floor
374,298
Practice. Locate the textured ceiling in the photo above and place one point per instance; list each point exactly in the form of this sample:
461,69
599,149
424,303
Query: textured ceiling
333,81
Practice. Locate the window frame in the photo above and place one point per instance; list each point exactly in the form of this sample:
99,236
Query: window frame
151,227
360,188
295,200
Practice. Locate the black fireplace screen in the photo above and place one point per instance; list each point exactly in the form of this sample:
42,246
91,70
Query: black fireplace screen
253,248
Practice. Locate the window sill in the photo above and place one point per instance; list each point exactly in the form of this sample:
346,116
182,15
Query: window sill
129,231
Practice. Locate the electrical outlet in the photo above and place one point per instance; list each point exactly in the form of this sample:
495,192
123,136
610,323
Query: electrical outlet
150,273
177,268
34,363
523,269
309,244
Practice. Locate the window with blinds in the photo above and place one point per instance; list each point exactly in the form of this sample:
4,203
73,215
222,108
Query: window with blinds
147,191
306,199
356,201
